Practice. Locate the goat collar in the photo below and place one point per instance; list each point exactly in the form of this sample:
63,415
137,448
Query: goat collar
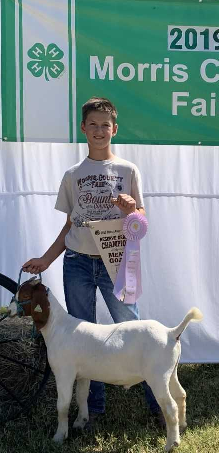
20,310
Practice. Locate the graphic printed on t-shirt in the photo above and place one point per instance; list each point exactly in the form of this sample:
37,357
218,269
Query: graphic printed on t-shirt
94,197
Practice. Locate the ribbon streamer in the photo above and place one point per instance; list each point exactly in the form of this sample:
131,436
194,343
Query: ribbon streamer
128,286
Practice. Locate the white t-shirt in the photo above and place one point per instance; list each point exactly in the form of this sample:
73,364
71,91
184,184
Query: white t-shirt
85,193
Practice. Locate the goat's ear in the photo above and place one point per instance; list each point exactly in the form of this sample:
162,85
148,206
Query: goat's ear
40,306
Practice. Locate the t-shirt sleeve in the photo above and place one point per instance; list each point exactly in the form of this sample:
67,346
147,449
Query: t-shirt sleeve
64,200
136,188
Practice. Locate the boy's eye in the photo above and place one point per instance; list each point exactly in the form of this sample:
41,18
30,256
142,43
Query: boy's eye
103,125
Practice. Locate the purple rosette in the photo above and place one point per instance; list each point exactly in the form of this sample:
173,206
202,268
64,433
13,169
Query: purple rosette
128,282
135,226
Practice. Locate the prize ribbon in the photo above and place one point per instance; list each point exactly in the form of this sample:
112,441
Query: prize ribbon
128,281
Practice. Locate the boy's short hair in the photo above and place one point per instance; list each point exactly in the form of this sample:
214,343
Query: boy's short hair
96,104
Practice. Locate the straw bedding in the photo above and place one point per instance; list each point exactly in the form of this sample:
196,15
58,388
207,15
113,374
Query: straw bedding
17,377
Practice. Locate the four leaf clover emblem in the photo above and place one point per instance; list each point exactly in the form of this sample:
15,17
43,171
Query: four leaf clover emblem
45,59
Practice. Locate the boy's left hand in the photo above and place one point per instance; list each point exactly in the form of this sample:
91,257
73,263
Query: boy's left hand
125,203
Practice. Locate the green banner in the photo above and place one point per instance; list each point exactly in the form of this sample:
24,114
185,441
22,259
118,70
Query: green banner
158,61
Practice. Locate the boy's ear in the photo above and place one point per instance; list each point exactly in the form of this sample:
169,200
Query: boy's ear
83,127
115,129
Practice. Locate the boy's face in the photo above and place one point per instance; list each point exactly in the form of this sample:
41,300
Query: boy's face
99,129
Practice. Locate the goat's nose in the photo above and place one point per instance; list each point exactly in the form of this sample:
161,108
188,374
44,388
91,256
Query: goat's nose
12,309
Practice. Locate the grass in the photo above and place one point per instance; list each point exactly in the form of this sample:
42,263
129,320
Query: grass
127,426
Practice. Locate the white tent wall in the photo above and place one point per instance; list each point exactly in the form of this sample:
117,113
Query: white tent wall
180,253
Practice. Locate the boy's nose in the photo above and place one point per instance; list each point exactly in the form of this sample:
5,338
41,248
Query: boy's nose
98,129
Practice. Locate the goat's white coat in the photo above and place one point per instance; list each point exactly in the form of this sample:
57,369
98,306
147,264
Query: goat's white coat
123,354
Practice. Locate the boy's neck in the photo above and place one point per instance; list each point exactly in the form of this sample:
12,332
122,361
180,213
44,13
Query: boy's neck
100,154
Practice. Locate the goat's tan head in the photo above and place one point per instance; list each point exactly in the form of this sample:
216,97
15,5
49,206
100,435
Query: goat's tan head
32,295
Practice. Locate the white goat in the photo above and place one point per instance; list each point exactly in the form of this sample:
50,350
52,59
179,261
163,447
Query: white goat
122,354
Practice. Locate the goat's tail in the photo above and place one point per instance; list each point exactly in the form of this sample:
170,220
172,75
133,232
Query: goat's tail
193,315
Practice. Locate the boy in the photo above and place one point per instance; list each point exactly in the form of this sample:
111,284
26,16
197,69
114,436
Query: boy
102,186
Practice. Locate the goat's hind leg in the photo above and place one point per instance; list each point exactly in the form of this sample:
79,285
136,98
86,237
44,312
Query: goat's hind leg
179,395
82,392
169,408
64,383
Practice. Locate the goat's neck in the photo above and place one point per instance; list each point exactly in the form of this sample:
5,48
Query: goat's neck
56,315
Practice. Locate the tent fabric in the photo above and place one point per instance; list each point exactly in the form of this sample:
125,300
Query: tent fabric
179,254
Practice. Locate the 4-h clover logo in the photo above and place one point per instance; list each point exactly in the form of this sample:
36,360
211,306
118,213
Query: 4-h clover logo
47,59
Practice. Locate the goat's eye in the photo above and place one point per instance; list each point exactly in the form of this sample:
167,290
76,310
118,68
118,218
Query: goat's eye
24,297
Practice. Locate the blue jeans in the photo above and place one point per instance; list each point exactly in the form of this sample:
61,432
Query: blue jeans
82,275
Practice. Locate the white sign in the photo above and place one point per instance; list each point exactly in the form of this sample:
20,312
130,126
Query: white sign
110,241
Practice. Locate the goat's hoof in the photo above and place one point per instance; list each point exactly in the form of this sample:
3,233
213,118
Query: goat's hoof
59,438
80,423
171,447
182,428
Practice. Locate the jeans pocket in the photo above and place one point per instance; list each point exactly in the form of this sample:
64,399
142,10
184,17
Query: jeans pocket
71,254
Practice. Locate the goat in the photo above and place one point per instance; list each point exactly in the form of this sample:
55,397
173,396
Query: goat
122,354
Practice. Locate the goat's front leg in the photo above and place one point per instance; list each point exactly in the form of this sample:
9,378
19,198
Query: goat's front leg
82,392
64,383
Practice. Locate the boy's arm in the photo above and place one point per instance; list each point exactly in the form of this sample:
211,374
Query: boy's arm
127,204
36,265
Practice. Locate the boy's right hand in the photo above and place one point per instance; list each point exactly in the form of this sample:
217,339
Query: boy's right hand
35,265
